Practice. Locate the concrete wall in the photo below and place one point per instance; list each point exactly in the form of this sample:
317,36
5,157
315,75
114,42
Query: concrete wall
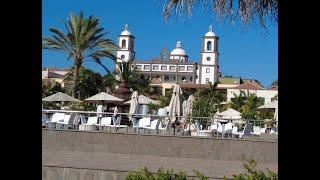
154,145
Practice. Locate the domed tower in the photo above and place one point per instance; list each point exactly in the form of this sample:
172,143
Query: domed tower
178,53
209,58
126,43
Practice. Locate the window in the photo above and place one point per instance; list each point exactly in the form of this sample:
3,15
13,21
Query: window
142,77
209,45
172,68
191,78
146,67
166,78
208,58
184,79
181,68
189,68
123,56
207,80
155,67
138,67
164,68
123,43
207,70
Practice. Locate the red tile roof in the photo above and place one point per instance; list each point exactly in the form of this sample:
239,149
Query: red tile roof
248,86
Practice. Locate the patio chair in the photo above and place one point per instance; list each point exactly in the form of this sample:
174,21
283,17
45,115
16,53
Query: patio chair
263,130
64,122
90,125
256,131
153,126
246,131
201,132
76,122
117,124
144,122
228,129
44,119
56,117
105,121
234,131
213,128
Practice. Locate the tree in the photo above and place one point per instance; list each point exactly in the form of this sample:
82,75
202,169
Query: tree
83,40
130,76
274,83
50,87
89,82
238,101
245,10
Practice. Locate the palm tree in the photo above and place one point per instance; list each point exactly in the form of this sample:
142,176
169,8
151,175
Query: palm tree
89,82
83,40
245,10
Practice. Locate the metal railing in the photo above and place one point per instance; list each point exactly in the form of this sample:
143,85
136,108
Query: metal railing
183,126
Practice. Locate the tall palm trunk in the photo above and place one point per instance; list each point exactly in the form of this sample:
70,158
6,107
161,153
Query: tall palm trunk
76,67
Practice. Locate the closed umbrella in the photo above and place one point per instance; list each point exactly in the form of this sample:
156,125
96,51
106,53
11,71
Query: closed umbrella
133,104
184,110
174,106
115,111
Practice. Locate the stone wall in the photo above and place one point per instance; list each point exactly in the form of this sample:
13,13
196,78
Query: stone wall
165,146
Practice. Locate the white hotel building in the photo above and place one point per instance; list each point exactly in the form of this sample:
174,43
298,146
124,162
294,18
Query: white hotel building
174,67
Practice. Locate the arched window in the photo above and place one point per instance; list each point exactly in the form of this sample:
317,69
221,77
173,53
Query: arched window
209,45
123,43
184,79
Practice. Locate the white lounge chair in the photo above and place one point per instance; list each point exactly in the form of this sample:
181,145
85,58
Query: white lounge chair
90,125
144,122
62,124
241,134
45,119
234,131
153,126
56,117
117,124
256,131
105,121
201,132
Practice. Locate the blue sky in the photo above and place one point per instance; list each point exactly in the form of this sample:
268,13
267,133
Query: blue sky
249,53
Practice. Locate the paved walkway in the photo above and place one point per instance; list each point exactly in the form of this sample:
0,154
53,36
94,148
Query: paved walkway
126,162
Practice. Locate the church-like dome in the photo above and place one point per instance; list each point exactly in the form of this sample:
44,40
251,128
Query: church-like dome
178,50
210,33
126,32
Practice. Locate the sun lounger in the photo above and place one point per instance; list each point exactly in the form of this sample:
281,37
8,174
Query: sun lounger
256,131
56,117
90,125
153,126
105,121
117,124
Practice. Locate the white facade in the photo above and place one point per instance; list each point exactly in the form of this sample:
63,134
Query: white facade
176,68
263,93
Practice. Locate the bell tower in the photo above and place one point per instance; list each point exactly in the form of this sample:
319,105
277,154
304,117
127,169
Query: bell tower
126,51
209,58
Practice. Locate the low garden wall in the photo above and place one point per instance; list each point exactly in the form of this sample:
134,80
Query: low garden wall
156,145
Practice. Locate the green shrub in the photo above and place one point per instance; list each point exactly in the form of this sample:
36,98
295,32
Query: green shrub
254,174
161,174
